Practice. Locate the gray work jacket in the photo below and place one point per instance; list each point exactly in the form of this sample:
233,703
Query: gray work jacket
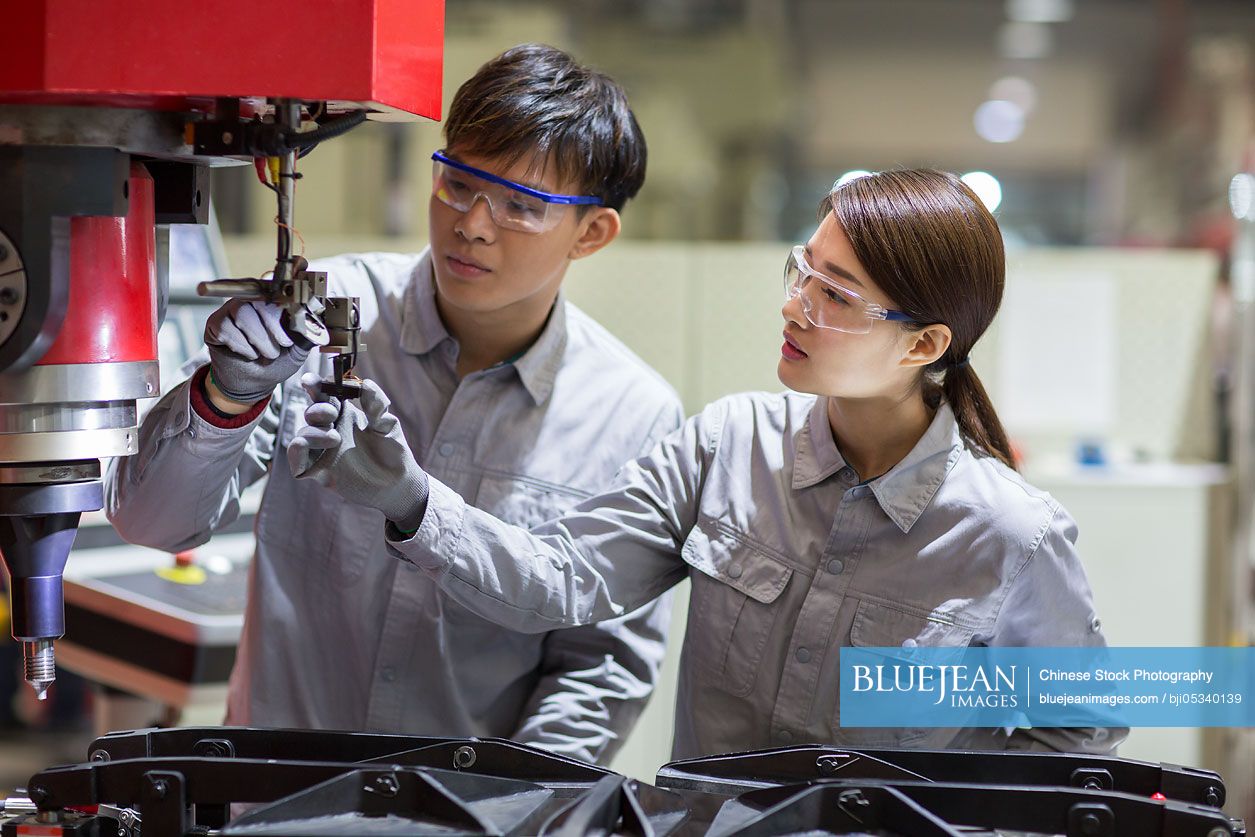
337,634
791,558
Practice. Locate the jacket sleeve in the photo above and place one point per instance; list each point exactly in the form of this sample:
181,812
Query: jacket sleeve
596,680
608,556
1050,604
186,479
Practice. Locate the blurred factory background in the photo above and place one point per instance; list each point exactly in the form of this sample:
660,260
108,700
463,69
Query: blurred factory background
1105,121
1115,140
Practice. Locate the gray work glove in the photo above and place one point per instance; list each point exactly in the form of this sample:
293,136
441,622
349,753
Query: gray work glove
250,353
360,453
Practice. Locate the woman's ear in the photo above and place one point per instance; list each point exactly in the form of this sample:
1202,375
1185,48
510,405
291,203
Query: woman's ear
926,345
597,229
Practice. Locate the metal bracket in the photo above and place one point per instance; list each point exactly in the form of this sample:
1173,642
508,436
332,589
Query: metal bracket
1091,819
163,801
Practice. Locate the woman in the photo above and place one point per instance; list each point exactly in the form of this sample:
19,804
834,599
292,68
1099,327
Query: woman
875,504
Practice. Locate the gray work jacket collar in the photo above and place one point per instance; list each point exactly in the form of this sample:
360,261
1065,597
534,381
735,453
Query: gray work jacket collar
906,489
422,331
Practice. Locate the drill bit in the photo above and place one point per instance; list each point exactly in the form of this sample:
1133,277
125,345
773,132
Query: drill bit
40,662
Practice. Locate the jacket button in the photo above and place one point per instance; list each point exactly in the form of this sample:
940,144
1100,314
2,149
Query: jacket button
909,642
735,571
1095,625
785,736
835,566
446,449
388,673
803,655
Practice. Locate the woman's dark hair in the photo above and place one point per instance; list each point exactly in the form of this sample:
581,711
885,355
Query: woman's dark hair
931,245
536,100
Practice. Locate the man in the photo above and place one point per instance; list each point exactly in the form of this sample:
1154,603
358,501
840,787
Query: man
500,387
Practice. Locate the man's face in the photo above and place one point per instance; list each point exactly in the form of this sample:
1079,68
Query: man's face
482,268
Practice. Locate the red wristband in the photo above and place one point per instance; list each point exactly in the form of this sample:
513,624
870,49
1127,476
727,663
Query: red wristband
211,414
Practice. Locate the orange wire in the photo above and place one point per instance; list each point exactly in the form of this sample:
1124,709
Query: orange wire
294,232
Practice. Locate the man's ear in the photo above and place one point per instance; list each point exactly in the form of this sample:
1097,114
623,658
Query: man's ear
599,227
927,345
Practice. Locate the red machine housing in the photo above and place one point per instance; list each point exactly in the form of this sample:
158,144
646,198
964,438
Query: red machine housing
382,54
112,313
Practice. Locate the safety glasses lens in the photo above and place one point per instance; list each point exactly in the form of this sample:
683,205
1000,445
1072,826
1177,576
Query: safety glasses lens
510,208
824,303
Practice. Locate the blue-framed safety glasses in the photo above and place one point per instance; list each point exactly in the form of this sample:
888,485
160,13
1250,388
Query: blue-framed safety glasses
513,206
828,304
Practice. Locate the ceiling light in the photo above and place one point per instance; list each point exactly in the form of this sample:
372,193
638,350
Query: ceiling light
986,187
1014,89
850,175
1039,11
998,120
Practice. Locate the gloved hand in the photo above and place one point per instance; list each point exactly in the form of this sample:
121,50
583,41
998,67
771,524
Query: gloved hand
250,353
360,453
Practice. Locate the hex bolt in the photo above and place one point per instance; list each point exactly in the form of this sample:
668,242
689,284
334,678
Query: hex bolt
99,755
1212,797
1090,824
9,296
38,794
463,757
829,765
159,787
211,748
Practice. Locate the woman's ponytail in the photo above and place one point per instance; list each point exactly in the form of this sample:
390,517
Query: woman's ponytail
974,412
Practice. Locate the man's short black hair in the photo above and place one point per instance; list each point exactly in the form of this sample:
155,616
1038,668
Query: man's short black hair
536,100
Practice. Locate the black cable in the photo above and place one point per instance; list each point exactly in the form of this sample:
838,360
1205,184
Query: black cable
333,128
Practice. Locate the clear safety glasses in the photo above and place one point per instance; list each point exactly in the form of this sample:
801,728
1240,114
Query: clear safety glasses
829,305
513,206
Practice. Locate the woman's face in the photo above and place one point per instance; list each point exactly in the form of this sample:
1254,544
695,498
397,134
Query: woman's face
837,363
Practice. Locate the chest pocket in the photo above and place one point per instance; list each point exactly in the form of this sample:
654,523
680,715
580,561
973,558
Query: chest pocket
733,605
879,626
329,539
523,502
